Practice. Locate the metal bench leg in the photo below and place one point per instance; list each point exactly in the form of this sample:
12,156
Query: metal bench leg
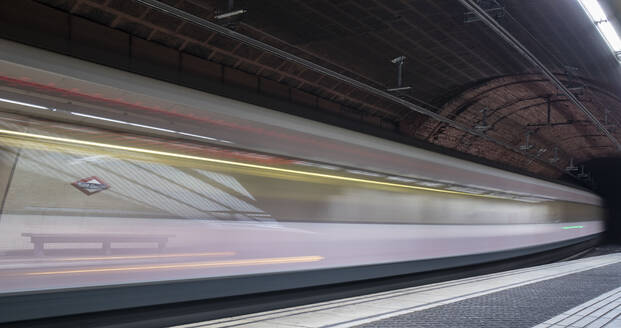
106,247
38,248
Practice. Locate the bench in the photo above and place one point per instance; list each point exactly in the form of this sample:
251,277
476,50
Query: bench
106,239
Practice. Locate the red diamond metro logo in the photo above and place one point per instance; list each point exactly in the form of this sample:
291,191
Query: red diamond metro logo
91,185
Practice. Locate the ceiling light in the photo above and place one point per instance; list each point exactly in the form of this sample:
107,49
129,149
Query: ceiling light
230,14
594,10
598,17
611,35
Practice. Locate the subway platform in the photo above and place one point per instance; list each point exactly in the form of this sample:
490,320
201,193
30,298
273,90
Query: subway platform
578,293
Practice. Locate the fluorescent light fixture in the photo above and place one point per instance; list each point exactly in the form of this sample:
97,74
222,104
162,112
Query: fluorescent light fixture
611,35
23,104
603,25
230,14
594,10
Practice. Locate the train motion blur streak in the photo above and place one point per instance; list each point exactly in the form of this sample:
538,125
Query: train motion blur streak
259,218
286,260
91,198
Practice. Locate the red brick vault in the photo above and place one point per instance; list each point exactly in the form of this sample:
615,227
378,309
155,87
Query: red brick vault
509,108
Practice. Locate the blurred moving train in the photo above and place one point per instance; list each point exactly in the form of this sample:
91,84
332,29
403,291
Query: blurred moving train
247,199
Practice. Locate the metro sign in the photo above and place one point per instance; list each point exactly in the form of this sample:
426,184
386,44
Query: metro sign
90,185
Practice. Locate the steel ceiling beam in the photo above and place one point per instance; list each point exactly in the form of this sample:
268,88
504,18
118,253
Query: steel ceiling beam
512,41
183,15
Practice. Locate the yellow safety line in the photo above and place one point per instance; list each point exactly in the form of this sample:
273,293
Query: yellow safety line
129,257
239,164
213,264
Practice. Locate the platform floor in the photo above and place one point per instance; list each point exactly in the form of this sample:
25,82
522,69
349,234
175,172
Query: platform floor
579,293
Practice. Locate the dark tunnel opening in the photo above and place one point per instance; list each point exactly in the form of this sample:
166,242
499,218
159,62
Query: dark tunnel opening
607,182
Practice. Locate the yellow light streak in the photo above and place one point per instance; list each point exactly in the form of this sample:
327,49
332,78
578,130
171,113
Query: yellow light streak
131,257
211,264
233,163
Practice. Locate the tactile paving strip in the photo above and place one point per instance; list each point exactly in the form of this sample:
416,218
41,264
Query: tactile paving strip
602,311
402,303
524,306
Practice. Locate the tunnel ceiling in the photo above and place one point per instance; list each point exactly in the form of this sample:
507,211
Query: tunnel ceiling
455,65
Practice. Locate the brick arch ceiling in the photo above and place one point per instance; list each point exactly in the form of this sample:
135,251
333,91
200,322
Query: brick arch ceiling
517,105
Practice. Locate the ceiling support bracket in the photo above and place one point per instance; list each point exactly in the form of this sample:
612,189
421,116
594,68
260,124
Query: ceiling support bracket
571,167
399,61
527,146
483,125
555,158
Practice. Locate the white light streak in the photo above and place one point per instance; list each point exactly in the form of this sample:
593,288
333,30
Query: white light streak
197,136
23,104
147,127
10,101
151,127
98,118
406,180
